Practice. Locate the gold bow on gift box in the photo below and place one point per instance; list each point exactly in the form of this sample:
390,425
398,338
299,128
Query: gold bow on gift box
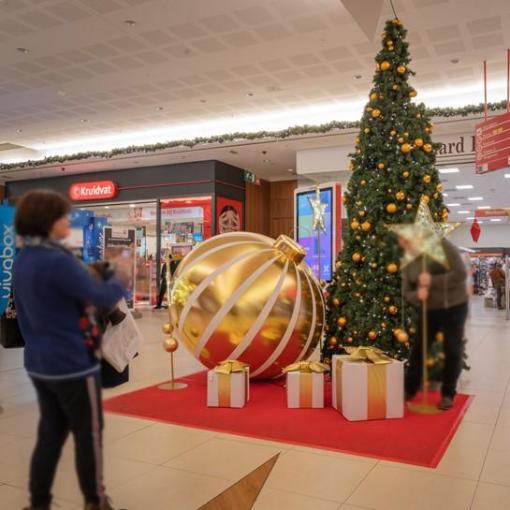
230,365
307,367
368,354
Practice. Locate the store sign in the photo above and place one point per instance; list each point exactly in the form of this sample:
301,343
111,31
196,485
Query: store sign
493,144
98,190
7,253
492,213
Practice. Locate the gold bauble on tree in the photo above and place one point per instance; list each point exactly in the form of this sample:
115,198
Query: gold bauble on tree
333,342
405,174
418,142
387,299
376,113
392,268
366,226
393,132
406,148
342,322
409,207
427,147
372,335
401,69
374,96
336,302
439,336
400,195
381,166
350,339
355,224
401,336
427,179
385,65
393,310
413,93
366,131
425,198
247,297
361,213
356,257
391,208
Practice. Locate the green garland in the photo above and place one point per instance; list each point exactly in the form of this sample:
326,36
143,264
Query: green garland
236,137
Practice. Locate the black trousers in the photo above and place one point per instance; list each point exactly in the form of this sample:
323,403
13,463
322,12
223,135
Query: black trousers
499,297
162,292
451,322
68,406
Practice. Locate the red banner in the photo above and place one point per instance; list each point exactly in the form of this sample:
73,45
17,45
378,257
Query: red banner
98,190
229,215
493,144
491,213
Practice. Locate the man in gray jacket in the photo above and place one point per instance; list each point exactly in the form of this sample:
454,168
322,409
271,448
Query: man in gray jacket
445,291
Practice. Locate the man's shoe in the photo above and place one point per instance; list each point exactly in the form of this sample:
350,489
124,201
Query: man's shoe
106,505
37,508
409,396
445,403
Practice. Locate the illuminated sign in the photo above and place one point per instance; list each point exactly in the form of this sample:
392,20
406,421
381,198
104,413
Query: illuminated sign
98,190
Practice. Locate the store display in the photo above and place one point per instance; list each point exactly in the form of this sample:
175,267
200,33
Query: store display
247,297
228,384
367,385
305,384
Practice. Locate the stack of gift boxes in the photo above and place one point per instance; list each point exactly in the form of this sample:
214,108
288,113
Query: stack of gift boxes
366,385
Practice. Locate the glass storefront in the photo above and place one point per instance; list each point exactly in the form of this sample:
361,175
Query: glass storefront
141,235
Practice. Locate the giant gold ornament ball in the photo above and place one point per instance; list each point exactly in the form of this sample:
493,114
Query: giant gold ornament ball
244,296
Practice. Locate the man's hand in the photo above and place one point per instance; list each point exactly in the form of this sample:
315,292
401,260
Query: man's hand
424,280
423,293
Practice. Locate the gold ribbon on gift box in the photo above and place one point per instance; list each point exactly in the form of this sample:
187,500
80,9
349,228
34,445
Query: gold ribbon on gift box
376,372
306,369
224,371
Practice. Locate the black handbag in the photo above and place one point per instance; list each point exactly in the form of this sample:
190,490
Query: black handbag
10,334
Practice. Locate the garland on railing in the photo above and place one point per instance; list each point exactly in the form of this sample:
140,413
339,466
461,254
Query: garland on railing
305,129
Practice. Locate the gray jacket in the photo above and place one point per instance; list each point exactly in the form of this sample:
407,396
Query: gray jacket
448,285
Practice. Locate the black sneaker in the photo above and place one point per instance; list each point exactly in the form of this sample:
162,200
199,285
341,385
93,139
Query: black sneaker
409,396
445,403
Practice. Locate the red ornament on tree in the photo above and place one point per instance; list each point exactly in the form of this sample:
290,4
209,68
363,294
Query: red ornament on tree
475,230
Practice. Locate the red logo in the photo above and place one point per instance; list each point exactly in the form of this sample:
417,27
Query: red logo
99,190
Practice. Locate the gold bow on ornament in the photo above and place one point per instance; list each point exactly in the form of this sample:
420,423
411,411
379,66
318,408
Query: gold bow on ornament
229,366
307,367
367,354
181,291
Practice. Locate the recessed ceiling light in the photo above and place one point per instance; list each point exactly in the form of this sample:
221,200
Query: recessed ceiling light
107,207
496,219
290,170
132,206
465,186
462,212
203,100
470,218
83,121
130,22
358,76
266,160
453,205
19,131
250,94
454,60
159,108
475,199
445,194
484,207
507,176
23,50
448,170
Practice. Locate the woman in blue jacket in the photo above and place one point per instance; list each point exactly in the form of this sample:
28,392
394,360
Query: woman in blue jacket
54,295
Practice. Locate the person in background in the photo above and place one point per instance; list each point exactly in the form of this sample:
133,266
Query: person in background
54,294
445,291
498,279
163,285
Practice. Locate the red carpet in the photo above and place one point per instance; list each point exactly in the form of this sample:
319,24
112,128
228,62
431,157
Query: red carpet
415,439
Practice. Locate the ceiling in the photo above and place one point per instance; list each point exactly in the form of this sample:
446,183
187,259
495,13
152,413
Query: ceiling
90,80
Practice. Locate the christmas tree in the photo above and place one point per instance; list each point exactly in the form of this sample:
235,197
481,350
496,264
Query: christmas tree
393,167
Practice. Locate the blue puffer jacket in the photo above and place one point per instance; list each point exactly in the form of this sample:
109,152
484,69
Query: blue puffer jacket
50,288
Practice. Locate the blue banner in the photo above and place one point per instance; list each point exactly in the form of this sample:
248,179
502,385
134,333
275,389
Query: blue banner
7,253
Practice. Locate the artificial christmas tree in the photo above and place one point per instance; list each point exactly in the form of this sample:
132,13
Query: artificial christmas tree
393,168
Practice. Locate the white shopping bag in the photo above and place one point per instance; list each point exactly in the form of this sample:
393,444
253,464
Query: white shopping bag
122,342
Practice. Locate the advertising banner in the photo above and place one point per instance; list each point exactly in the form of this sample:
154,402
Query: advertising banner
493,144
229,215
119,248
7,253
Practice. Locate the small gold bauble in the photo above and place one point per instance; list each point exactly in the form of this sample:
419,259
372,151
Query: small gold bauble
338,264
392,268
167,328
350,339
336,302
358,238
400,195
391,208
395,86
366,226
170,344
341,321
333,341
435,195
373,265
381,166
396,22
409,207
439,336
428,130
361,213
385,65
401,69
368,108
444,215
377,66
374,96
406,148
400,140
413,93
427,179
355,224
431,362
366,131
357,140
393,310
427,147
425,198
401,336
372,335
393,132
383,325
439,188
387,299
356,256
418,142
405,174
363,182
406,134
376,113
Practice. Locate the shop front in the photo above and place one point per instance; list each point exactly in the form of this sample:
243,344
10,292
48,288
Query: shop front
141,217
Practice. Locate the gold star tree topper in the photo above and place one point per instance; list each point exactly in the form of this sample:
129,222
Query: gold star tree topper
423,237
318,209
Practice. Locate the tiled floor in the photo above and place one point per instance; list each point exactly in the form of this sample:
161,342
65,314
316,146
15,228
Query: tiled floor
153,466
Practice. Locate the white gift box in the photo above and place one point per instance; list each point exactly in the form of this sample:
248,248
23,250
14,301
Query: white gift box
228,390
305,390
367,391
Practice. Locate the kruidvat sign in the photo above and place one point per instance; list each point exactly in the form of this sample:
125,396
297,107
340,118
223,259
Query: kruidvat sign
98,190
7,253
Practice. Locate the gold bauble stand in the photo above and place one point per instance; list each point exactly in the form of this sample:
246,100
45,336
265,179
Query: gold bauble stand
170,345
